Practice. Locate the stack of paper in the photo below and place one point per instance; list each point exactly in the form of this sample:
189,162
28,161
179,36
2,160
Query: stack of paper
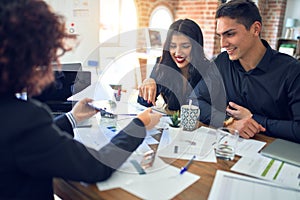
230,186
269,169
161,181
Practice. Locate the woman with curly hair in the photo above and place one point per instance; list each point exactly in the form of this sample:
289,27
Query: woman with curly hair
33,147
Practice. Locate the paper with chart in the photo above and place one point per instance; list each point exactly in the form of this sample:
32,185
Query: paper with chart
176,143
97,136
269,169
230,186
179,144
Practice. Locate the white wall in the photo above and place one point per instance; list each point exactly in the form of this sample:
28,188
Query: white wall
292,11
82,18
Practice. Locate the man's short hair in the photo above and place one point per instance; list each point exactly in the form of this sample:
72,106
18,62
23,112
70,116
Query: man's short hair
244,11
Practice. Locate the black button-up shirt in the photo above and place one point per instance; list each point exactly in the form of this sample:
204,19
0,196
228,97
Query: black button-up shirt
271,91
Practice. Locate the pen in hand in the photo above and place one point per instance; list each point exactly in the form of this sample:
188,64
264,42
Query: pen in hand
128,114
186,167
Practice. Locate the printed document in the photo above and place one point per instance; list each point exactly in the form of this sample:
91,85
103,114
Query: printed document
269,169
230,186
179,144
161,181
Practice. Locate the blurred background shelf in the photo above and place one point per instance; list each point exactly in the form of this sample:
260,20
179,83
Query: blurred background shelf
289,46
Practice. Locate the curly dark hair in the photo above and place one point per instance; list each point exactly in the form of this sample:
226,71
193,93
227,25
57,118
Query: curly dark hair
32,37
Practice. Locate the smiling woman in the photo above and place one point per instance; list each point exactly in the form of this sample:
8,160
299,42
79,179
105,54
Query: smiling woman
180,50
179,68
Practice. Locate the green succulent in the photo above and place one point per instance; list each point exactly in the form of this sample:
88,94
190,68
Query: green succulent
175,119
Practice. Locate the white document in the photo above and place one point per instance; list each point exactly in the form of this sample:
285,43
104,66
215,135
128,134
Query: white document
179,144
92,137
96,91
162,181
269,169
127,173
103,129
230,186
248,147
96,137
162,184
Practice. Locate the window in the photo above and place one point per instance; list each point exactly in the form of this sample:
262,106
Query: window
110,26
161,18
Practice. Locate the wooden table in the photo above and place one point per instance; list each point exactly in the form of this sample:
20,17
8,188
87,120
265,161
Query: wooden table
68,190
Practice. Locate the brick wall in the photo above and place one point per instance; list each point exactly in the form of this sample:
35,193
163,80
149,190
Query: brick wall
272,12
203,12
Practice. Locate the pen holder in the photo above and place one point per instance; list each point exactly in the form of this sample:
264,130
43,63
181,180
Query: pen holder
117,91
117,94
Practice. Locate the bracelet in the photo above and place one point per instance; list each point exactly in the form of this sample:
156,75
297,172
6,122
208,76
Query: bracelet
228,121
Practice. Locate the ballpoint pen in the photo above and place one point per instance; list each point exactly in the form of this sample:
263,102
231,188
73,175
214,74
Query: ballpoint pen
128,114
104,113
186,167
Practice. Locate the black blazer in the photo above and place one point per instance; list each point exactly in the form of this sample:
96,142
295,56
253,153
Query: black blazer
34,150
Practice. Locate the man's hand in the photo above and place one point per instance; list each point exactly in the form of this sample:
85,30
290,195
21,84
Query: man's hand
149,118
238,112
247,127
82,111
243,121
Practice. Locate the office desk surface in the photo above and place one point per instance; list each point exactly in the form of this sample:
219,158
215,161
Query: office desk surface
69,190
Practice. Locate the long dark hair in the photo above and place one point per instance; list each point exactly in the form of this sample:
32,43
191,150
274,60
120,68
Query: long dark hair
167,70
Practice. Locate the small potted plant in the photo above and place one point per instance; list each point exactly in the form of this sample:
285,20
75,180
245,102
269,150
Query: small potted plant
175,120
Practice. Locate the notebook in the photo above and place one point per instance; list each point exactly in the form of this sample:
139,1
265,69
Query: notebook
67,83
283,150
